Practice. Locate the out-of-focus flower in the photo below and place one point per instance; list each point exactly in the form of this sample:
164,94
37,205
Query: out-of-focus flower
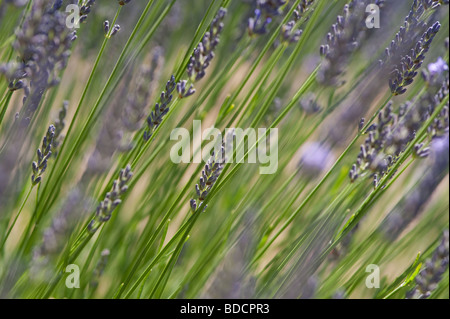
316,158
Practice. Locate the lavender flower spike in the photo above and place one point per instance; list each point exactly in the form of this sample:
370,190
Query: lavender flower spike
85,9
112,199
405,74
342,40
210,174
161,108
204,53
43,155
430,276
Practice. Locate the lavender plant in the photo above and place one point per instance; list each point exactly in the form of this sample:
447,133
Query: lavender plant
362,140
430,276
43,156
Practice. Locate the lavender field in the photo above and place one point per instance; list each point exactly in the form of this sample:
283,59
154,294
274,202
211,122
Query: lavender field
224,149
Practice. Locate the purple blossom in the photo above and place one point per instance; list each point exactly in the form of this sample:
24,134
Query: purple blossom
438,67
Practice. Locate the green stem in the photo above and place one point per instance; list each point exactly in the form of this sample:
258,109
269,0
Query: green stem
4,105
15,219
78,109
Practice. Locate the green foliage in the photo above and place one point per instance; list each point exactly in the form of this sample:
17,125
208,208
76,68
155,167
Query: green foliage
113,203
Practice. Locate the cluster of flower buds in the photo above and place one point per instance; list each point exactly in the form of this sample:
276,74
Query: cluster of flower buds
289,32
372,154
43,46
204,52
407,71
406,52
440,125
210,174
410,32
393,132
265,11
183,90
427,4
342,40
125,116
303,7
161,108
109,32
43,155
436,91
112,199
85,9
199,61
124,2
435,267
